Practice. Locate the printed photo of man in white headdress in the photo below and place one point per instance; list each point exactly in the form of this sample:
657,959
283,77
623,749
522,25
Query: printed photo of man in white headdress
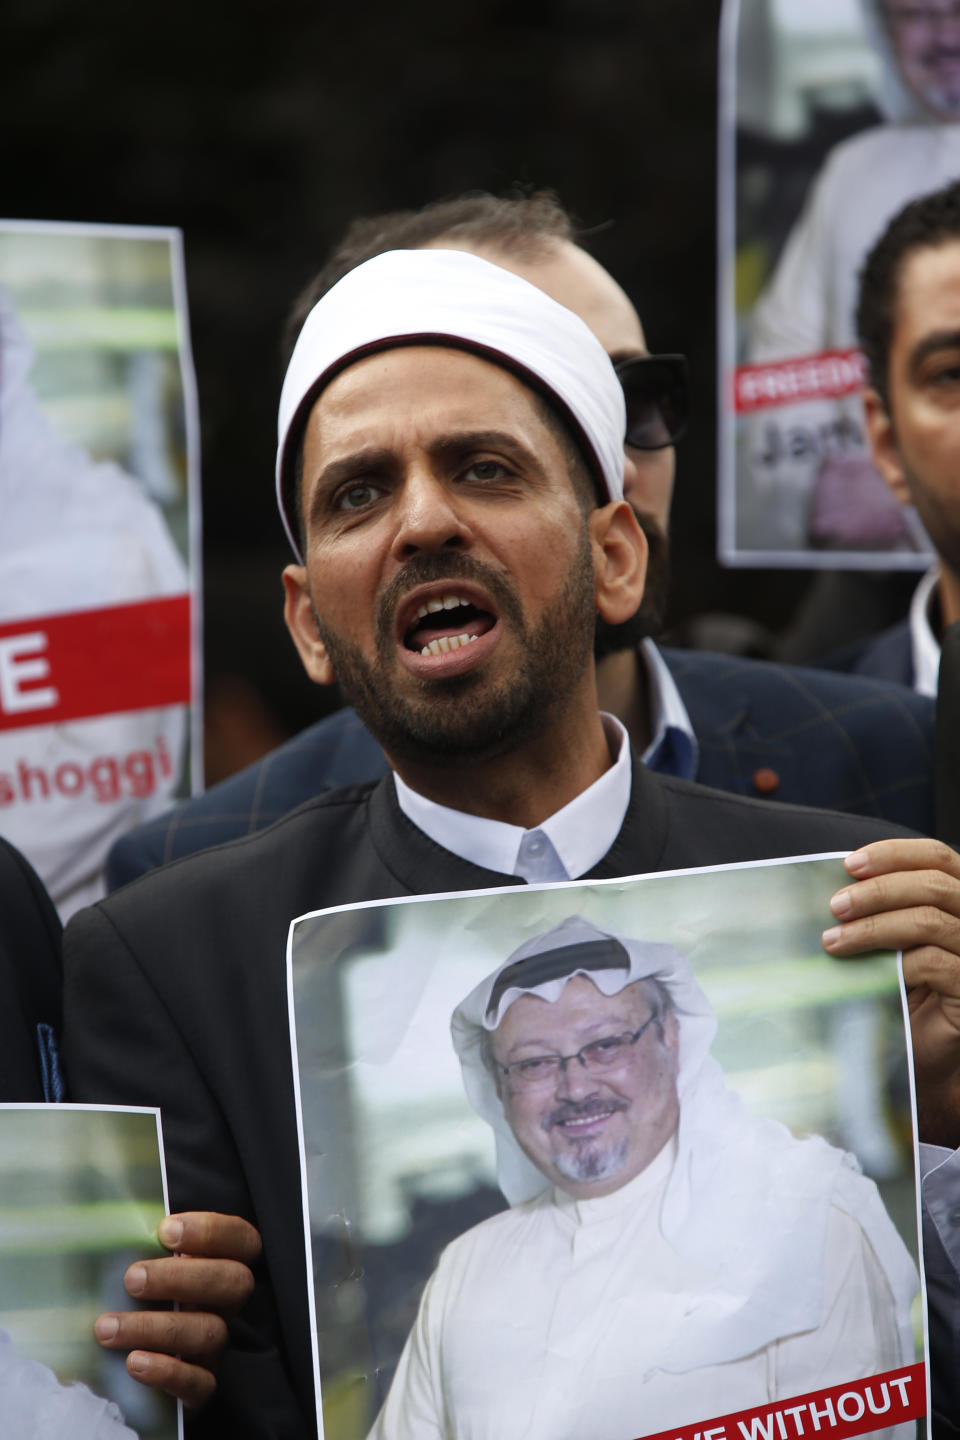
580,1161
666,1255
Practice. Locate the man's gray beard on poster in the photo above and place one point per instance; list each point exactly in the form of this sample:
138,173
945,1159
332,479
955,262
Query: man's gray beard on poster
590,1162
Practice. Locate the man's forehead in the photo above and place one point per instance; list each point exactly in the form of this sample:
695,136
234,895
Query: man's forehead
431,395
927,293
394,372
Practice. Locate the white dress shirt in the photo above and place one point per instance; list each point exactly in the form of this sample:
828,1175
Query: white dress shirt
579,834
574,839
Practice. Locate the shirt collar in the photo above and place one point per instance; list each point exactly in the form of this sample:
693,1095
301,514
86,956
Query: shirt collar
581,833
673,749
924,645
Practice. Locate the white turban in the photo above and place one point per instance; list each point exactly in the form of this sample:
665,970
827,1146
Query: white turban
746,1199
451,297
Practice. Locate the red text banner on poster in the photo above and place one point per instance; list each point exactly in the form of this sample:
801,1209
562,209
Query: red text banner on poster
852,1409
810,377
95,662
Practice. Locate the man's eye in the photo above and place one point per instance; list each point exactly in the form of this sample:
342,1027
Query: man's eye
357,495
535,1065
605,1049
485,470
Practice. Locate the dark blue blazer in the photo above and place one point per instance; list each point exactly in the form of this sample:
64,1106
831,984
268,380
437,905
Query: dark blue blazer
887,656
777,731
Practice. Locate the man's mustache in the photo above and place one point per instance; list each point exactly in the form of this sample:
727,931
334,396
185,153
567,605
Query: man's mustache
582,1110
427,567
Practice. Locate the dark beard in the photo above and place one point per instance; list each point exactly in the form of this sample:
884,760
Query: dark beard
464,715
648,620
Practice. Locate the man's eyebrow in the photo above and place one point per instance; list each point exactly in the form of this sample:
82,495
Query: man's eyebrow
459,441
360,462
930,344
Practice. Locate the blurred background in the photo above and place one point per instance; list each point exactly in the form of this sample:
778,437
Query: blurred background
262,130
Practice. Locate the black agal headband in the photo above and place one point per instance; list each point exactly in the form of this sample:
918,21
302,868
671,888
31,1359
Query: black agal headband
587,955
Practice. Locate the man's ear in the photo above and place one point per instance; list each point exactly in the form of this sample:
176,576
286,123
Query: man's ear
301,622
619,561
883,444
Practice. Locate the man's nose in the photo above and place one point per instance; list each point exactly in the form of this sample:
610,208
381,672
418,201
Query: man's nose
427,516
575,1081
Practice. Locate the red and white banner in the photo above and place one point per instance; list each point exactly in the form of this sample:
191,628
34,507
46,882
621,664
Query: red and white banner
826,376
95,662
875,1403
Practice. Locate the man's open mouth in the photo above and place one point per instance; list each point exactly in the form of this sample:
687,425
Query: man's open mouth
446,622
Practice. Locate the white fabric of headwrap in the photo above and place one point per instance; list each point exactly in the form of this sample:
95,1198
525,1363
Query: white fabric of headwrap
437,296
746,1199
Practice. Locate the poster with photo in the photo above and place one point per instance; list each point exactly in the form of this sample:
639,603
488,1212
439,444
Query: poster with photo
619,1159
82,1191
99,543
834,114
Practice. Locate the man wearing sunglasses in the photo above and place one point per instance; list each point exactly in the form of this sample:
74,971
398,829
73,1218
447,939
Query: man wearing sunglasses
749,727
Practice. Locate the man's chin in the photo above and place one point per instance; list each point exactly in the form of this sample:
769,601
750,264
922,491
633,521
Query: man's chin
458,724
591,1163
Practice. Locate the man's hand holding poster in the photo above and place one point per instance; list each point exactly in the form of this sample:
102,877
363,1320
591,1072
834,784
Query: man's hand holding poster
614,1159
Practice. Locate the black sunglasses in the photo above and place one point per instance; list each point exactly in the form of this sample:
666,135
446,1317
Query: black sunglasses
655,389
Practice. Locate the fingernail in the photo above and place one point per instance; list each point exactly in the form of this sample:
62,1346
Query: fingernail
137,1363
170,1232
105,1327
841,904
136,1280
831,936
858,862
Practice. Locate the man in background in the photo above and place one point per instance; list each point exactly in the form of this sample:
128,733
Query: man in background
908,321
